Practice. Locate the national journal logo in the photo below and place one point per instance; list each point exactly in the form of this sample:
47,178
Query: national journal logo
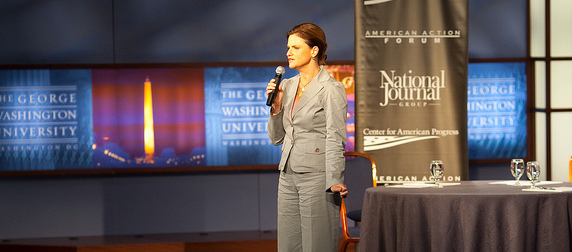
411,89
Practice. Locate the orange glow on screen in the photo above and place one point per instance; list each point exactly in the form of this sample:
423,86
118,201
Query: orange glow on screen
148,127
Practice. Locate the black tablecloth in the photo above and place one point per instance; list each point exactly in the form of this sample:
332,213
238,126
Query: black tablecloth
472,216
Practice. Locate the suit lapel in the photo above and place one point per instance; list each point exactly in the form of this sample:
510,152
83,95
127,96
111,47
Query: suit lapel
311,90
291,95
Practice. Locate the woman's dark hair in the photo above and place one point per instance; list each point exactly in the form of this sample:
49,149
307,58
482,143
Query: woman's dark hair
313,36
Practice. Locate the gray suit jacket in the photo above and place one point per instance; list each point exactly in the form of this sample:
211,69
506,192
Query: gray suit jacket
314,137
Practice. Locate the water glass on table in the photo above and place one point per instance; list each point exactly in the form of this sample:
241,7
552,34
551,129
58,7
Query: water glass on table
517,169
437,170
533,173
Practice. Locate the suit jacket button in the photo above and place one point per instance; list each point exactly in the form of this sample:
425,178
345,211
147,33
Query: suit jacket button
292,142
317,150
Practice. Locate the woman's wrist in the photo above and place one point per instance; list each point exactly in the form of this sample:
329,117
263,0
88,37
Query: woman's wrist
274,110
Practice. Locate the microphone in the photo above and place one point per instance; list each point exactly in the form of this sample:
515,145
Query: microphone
279,72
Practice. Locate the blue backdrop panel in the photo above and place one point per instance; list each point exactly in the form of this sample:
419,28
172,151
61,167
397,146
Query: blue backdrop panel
45,119
496,107
236,116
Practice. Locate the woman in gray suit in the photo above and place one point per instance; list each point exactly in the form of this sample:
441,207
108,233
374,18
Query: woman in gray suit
308,117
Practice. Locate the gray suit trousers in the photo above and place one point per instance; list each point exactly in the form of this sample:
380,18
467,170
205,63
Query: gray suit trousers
308,216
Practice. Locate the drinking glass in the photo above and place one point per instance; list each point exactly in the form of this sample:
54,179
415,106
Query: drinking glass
517,169
533,172
437,170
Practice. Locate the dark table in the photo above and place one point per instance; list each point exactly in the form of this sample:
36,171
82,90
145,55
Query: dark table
472,216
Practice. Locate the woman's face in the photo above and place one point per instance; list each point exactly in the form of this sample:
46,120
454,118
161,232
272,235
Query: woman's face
299,53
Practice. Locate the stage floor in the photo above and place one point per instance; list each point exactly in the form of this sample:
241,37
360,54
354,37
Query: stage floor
197,242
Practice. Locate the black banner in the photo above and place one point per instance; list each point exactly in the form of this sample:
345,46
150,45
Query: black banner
411,86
